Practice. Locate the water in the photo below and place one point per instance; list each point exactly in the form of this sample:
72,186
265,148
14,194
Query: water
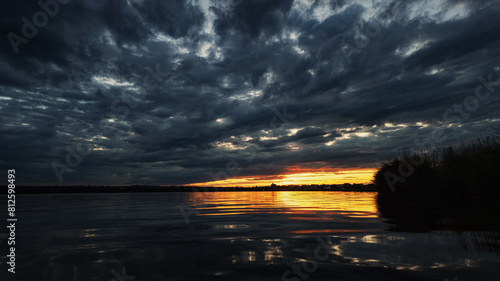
233,236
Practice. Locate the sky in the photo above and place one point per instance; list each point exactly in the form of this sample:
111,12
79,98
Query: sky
239,92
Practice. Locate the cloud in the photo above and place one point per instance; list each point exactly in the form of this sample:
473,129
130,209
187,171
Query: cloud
168,92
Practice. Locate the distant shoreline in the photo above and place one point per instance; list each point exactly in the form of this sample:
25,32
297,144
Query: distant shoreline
138,189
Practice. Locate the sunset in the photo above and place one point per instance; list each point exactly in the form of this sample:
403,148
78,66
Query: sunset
231,92
298,176
242,140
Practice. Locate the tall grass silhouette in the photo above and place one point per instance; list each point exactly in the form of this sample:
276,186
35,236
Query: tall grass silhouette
431,186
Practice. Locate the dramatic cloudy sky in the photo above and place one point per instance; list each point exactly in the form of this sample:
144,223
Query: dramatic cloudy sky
179,92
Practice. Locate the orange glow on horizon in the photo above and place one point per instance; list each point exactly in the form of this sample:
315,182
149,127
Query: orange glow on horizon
299,176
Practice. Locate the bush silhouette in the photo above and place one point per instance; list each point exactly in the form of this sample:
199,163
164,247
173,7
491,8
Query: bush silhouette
417,188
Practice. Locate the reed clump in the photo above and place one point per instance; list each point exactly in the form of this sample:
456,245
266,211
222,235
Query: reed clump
425,184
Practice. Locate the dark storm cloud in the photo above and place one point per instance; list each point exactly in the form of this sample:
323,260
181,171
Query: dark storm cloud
252,18
170,92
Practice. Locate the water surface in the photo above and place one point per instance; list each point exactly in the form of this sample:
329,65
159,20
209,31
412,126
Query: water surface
287,235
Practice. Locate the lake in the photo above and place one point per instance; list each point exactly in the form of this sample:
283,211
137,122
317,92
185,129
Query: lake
285,235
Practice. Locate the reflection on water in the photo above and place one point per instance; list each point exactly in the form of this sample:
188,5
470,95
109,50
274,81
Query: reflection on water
306,202
235,236
309,206
289,212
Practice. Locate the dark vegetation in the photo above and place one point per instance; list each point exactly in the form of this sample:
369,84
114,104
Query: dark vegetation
158,188
454,187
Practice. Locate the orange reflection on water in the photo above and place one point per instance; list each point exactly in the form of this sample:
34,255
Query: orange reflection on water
299,203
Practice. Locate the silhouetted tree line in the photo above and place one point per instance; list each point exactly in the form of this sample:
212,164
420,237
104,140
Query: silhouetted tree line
180,188
457,183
